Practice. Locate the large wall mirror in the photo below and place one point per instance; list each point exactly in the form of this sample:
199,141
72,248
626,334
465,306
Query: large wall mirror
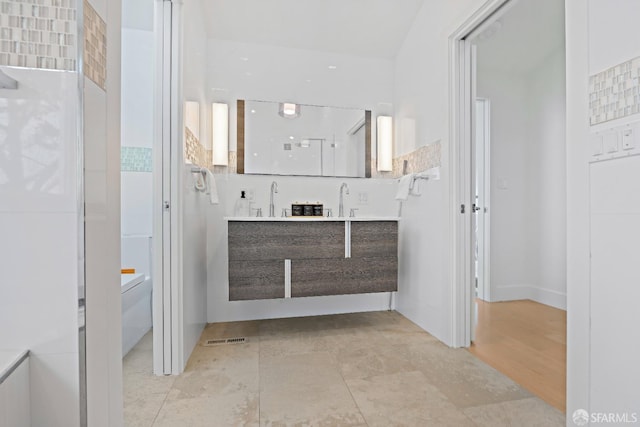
277,138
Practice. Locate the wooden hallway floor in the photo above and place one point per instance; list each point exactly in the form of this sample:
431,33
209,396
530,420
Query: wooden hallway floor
527,342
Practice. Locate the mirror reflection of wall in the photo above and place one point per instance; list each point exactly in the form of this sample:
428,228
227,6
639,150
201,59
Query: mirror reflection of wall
311,140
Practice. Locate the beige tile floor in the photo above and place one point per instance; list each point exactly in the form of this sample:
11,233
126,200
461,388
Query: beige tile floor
363,369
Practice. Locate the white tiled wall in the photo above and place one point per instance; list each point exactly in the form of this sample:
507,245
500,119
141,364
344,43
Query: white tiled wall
39,229
102,223
14,398
39,170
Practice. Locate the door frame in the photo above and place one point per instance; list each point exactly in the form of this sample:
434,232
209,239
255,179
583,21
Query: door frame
484,190
462,104
167,253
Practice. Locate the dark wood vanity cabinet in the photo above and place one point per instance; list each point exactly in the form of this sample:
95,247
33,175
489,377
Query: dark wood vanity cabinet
281,259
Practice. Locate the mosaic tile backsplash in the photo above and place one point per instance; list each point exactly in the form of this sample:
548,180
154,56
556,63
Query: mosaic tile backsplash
420,160
95,46
615,93
194,152
38,34
136,159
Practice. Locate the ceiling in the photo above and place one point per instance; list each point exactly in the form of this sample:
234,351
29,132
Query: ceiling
527,33
370,28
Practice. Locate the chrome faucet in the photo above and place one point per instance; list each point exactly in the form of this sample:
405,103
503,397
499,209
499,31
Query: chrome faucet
272,208
341,206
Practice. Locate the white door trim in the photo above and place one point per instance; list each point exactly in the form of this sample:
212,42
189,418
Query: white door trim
484,190
161,194
167,250
177,161
460,155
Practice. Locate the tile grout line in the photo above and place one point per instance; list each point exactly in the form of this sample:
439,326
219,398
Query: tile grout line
353,398
155,418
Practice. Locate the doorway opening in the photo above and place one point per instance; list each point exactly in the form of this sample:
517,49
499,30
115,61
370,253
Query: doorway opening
511,226
137,180
149,253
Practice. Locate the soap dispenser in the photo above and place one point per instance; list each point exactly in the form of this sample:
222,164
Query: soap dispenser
242,206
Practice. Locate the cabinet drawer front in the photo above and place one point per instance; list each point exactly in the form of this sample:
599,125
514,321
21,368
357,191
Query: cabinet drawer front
285,240
256,280
343,276
374,239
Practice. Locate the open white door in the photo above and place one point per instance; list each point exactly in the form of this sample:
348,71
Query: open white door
462,148
165,259
474,208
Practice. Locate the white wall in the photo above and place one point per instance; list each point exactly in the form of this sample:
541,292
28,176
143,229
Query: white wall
528,213
192,204
137,121
138,67
578,315
270,73
546,175
599,36
379,193
615,231
421,104
102,230
261,72
39,225
194,263
513,257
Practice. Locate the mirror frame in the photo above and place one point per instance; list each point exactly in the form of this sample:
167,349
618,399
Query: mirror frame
240,122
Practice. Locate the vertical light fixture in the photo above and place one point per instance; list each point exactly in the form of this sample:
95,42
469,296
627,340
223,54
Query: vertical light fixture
191,129
385,143
220,133
192,118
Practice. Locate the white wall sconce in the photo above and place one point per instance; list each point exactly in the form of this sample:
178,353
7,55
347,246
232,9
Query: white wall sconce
289,110
192,117
385,143
220,133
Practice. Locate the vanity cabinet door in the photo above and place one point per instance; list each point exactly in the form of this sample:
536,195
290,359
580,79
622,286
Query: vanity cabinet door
374,239
314,277
373,266
256,279
285,240
257,251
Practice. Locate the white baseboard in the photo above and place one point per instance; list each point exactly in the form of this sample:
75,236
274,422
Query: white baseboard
519,292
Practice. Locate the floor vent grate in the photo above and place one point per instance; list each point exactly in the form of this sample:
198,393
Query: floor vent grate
222,341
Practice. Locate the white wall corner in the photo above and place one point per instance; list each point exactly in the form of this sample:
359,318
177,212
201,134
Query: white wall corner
578,240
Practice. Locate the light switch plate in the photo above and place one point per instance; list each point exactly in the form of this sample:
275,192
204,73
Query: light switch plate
627,139
610,141
596,145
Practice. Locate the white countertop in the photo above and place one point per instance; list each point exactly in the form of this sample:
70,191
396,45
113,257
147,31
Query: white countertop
9,360
310,218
